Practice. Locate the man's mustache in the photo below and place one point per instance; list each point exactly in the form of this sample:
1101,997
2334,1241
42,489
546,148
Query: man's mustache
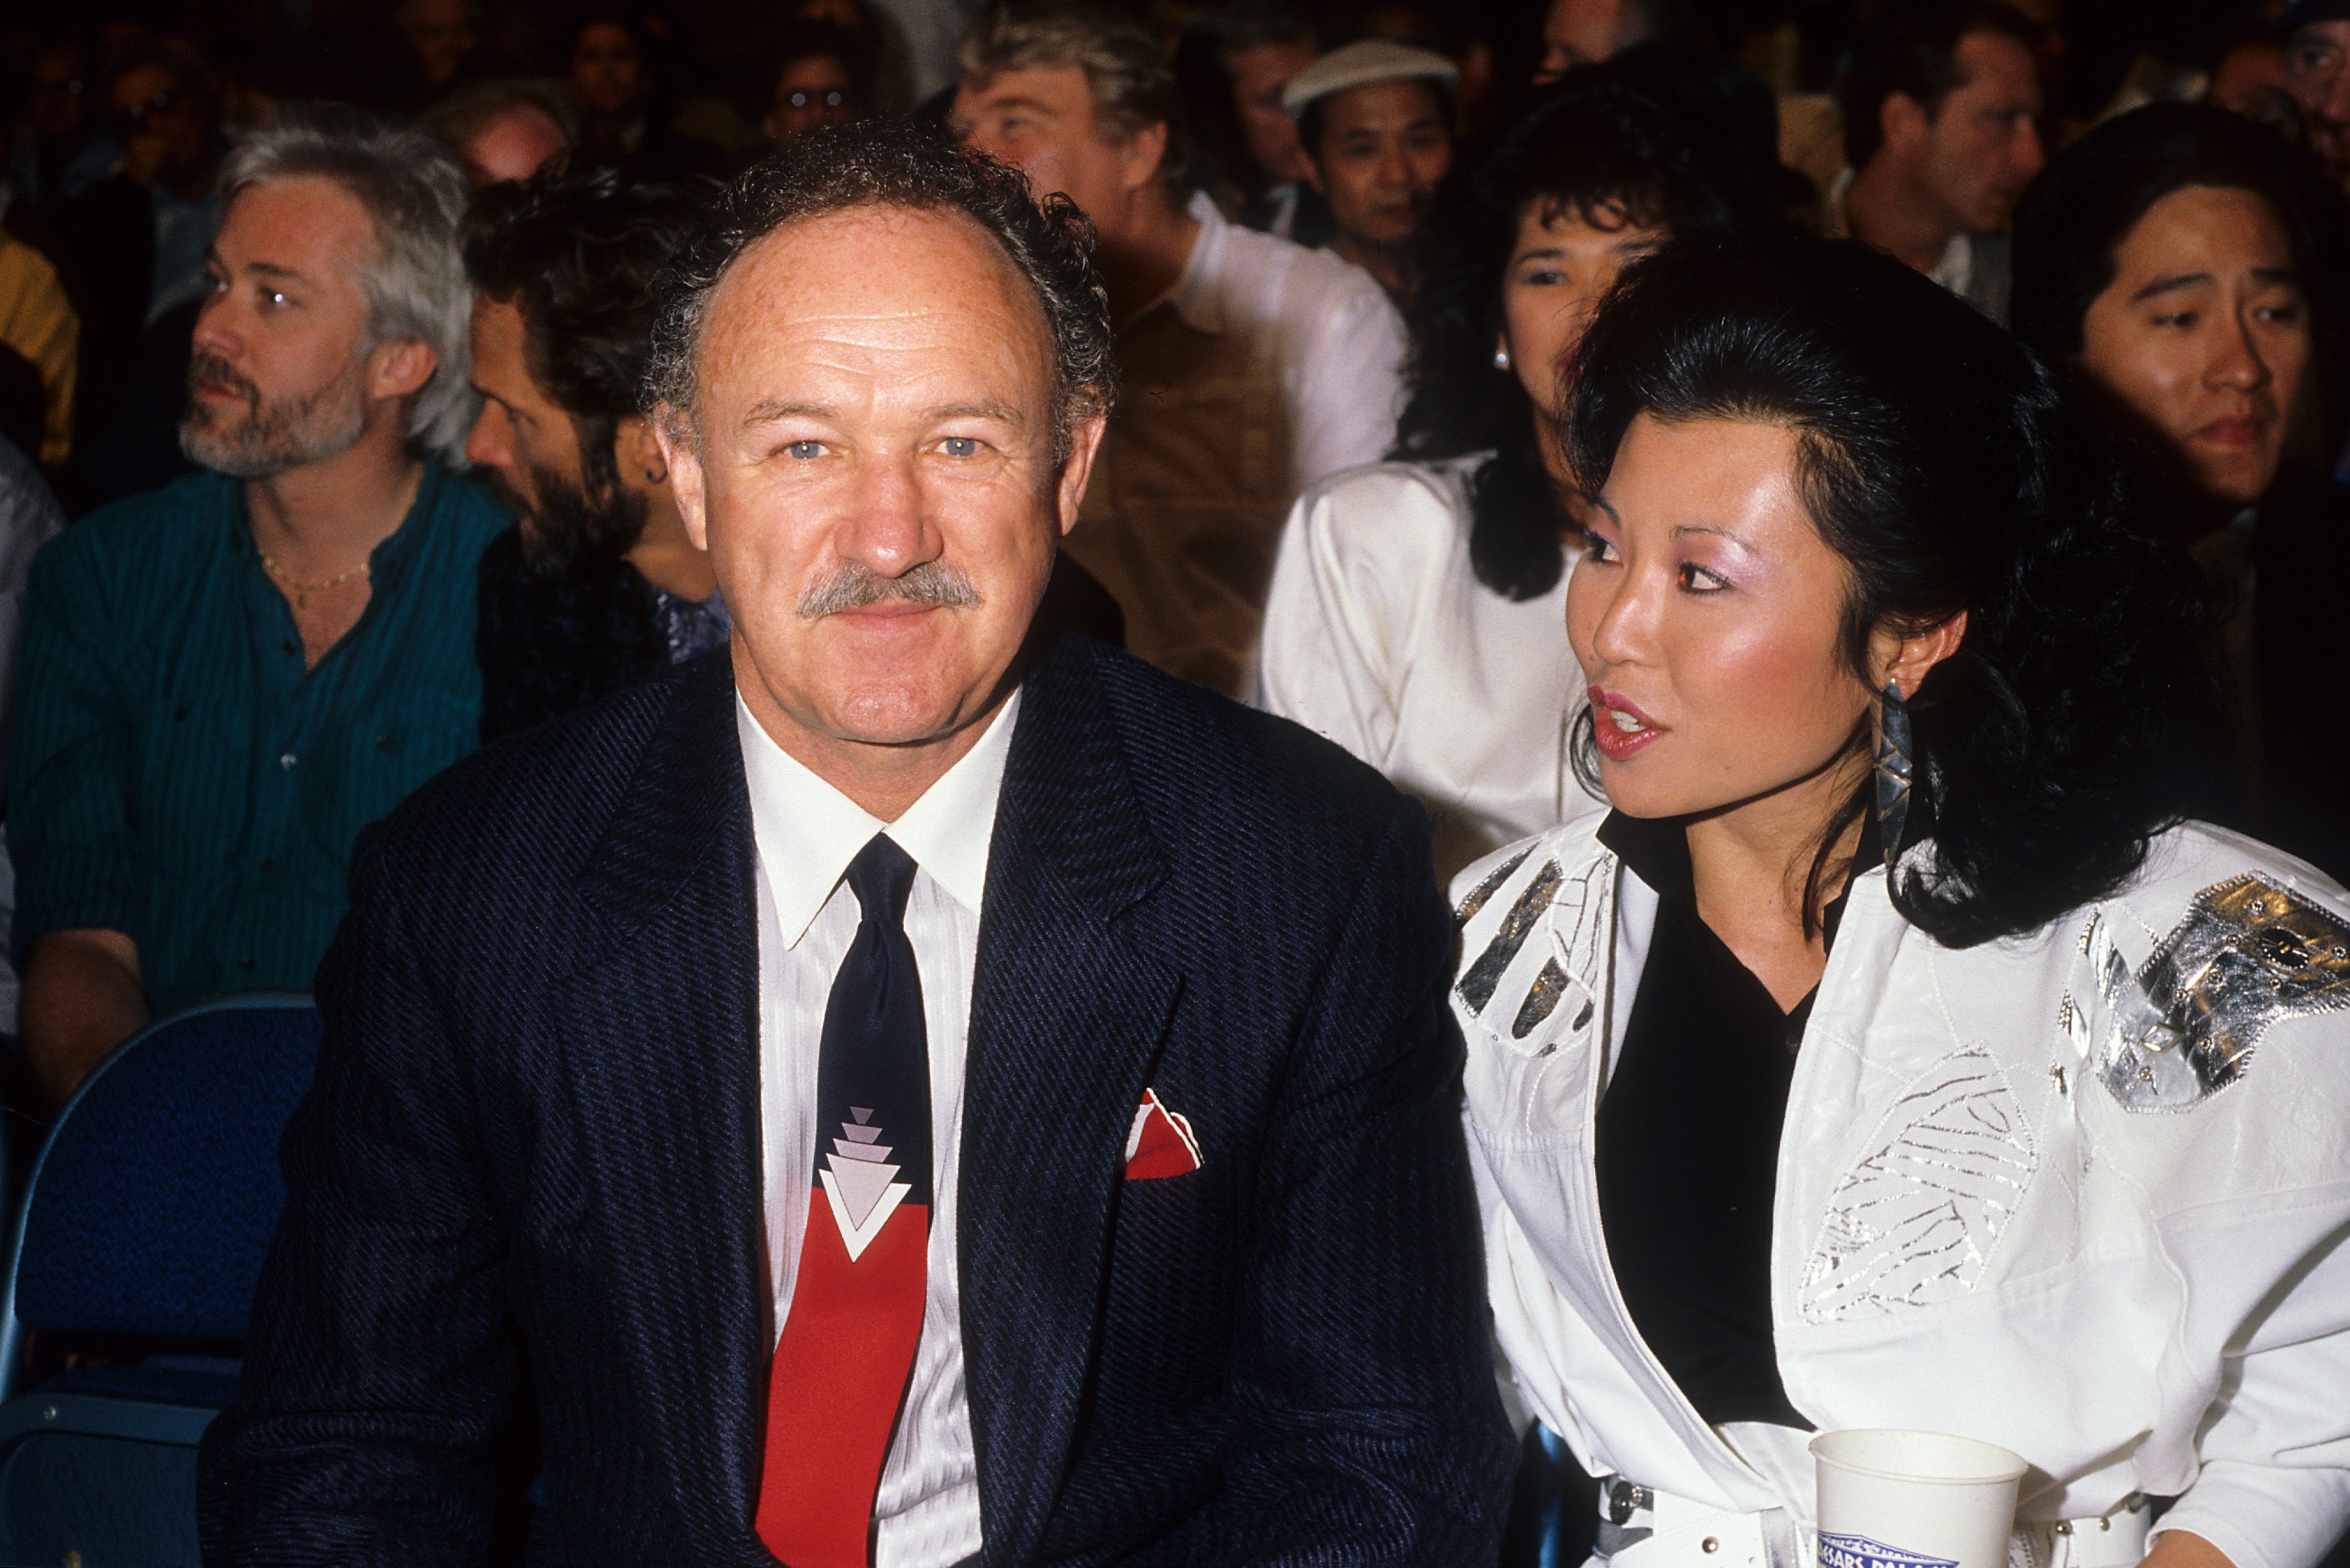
854,586
206,366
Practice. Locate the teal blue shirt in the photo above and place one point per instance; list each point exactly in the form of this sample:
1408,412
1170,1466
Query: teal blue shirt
180,777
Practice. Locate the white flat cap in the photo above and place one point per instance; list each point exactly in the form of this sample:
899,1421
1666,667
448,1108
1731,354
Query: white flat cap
1359,65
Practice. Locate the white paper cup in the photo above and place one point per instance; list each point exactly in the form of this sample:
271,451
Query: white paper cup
1914,1500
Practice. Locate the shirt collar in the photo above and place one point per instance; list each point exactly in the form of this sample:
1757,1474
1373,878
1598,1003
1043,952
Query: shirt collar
1954,270
392,554
807,832
1195,295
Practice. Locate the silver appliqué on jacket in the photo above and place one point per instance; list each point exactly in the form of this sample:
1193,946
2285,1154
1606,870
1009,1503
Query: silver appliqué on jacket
1916,1218
2183,1027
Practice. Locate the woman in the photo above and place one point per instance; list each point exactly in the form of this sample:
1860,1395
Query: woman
2191,264
1926,1028
625,105
1415,610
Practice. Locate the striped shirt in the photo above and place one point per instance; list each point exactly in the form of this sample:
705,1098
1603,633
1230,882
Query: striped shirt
180,777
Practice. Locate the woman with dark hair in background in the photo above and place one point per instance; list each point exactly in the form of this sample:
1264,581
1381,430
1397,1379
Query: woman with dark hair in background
2192,264
1415,609
616,66
1926,1026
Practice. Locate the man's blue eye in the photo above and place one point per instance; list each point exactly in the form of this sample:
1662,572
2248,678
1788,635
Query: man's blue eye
961,446
805,449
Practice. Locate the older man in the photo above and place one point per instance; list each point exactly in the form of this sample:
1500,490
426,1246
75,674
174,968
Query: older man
1252,366
224,680
914,1091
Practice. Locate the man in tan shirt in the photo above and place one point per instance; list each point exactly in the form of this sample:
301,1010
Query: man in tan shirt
1248,367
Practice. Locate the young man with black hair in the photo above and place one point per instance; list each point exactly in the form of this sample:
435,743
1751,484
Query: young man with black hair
1375,120
597,583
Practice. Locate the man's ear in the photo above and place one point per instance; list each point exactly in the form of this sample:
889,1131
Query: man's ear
1140,156
400,368
1903,123
674,441
1903,662
1313,175
636,453
1070,492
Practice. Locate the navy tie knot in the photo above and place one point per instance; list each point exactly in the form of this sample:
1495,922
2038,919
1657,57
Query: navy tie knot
881,877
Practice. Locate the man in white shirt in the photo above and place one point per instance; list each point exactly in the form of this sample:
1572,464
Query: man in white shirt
920,1090
1251,367
1941,113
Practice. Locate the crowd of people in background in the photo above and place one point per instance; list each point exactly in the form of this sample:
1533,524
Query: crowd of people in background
337,335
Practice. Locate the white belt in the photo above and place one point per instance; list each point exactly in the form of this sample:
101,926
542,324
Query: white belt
1640,1527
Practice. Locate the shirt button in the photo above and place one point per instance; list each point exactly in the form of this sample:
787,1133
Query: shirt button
245,963
269,863
286,761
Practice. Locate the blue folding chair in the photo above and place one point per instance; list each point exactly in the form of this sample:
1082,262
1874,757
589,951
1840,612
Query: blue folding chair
148,1214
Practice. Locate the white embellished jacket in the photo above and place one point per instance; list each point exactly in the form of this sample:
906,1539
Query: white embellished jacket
2084,1193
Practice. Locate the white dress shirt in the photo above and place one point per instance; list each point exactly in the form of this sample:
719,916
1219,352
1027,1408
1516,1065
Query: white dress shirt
806,831
1334,333
1379,635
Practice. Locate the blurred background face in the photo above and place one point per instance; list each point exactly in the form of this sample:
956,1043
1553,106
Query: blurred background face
2249,77
874,471
510,147
1043,122
1258,76
527,445
1708,620
278,375
607,73
2204,331
1560,268
1579,33
163,127
1983,146
809,93
58,105
441,34
2317,74
1384,147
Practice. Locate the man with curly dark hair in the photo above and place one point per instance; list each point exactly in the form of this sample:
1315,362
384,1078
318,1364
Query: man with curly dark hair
597,585
916,1090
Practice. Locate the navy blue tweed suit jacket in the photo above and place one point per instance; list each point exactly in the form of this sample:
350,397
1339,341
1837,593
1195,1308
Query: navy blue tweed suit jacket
536,1133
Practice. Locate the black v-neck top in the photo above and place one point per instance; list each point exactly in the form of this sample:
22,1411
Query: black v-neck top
1688,1146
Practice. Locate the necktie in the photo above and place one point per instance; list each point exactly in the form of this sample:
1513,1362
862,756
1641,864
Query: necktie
847,1349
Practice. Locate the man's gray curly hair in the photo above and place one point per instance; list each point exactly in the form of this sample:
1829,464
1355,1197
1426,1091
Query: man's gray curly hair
415,195
892,163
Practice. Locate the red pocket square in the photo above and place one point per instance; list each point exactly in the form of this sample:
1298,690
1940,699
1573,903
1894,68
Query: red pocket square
1159,1143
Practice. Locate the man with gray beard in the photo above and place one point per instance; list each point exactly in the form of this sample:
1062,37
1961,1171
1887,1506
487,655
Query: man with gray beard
227,678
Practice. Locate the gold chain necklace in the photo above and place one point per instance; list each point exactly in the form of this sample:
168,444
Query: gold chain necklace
286,578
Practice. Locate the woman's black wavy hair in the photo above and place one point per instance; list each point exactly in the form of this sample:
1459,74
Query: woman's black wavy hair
1952,469
1615,144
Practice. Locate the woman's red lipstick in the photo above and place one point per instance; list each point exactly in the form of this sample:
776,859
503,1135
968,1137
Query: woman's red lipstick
1619,726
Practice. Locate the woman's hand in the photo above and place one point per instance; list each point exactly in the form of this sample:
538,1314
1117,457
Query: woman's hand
2184,1549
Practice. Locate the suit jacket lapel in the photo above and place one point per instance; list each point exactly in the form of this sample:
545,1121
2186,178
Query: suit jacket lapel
664,1034
1067,1013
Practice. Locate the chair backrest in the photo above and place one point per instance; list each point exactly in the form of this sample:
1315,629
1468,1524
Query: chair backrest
154,1200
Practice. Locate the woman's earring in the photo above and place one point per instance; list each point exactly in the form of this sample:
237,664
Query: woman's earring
1893,772
1502,357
